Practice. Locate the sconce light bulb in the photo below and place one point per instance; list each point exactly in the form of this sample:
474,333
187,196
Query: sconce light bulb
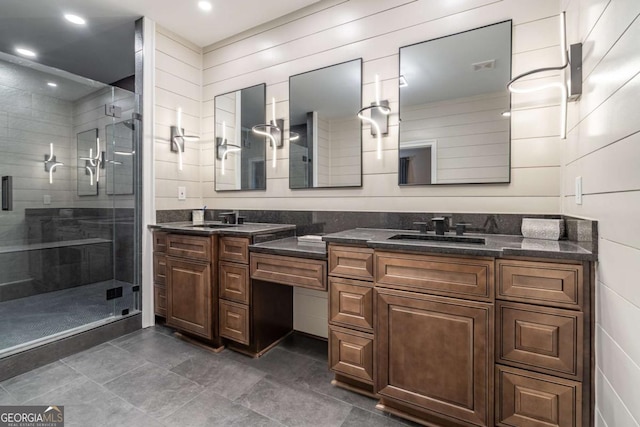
224,132
179,120
377,90
273,111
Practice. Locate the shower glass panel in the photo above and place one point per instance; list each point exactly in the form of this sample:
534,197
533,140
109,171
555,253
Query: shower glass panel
67,242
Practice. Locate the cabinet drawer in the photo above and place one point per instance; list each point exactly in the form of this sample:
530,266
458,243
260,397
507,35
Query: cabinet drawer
352,262
234,321
192,247
235,249
234,282
351,354
305,273
558,285
159,268
545,339
527,399
160,300
160,241
351,303
470,278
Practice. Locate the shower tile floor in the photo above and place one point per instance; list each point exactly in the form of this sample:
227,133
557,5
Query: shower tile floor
32,318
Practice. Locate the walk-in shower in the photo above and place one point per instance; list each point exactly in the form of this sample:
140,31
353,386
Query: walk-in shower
67,241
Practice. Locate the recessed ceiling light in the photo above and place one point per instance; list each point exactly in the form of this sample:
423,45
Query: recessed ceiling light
506,114
205,5
74,19
25,52
52,84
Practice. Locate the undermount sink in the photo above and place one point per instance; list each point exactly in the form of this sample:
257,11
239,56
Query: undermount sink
214,225
440,238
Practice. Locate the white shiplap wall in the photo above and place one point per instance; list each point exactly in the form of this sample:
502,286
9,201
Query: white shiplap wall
178,83
331,32
603,147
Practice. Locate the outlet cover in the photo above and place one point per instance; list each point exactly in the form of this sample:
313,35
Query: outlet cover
182,193
46,199
578,190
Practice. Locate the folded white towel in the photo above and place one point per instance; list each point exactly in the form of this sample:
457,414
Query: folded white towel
310,238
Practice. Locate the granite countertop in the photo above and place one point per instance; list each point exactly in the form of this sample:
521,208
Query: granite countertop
497,245
292,247
246,229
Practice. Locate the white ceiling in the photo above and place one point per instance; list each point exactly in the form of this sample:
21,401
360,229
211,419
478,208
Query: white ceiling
104,49
227,18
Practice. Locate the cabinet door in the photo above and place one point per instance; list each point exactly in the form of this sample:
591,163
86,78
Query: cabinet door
435,354
189,304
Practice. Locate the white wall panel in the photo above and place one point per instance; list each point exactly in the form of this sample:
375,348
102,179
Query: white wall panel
603,147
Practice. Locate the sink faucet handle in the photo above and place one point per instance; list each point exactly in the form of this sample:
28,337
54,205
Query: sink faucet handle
461,227
439,224
422,226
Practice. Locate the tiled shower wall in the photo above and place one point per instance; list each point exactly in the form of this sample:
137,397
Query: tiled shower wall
603,147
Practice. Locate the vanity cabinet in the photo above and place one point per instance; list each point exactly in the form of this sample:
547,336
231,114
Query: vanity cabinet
235,289
191,291
543,343
435,337
351,321
160,273
254,314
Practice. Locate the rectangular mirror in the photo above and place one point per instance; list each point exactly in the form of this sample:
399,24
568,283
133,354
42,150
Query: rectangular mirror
89,162
325,140
454,108
240,153
120,156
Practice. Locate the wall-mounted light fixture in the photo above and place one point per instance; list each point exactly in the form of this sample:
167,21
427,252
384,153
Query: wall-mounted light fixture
93,164
570,85
50,163
378,117
274,130
178,138
223,148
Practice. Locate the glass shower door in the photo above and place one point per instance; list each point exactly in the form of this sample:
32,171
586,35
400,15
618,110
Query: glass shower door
67,239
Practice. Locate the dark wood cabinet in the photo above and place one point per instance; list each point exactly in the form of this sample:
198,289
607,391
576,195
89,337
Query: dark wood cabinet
435,356
351,262
189,297
351,303
351,353
300,272
528,399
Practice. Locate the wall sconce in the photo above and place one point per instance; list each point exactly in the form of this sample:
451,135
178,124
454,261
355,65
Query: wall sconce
50,163
273,130
570,86
178,138
223,148
92,165
378,117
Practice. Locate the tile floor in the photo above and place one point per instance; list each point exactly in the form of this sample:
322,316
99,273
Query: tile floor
39,316
150,378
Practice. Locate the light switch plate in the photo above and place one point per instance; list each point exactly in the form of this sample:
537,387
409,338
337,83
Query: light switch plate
46,199
182,193
578,190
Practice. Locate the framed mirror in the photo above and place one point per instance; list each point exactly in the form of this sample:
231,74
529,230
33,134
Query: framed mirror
325,141
89,162
120,156
454,108
240,153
